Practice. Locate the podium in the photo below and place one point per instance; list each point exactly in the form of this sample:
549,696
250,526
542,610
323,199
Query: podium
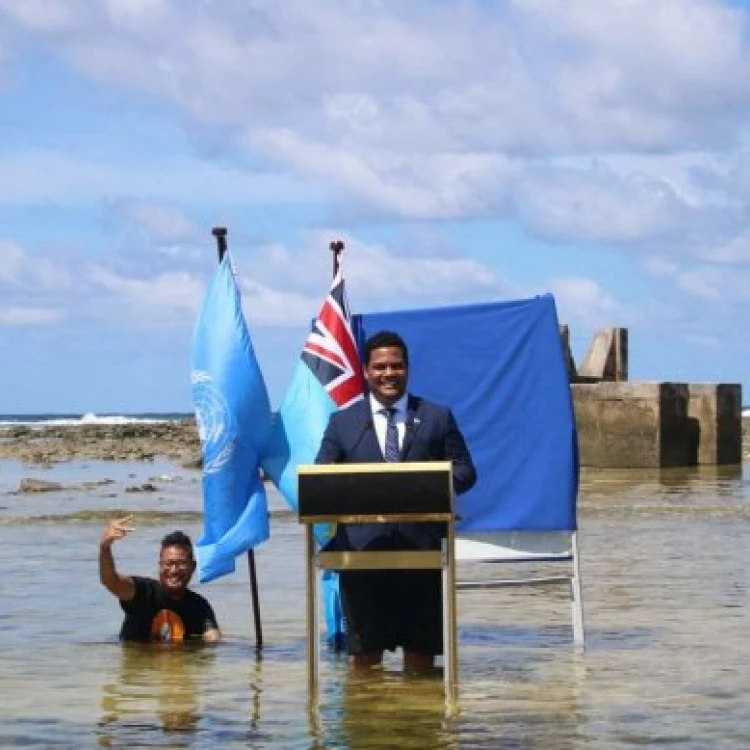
420,492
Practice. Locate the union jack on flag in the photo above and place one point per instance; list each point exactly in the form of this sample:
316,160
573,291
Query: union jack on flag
330,351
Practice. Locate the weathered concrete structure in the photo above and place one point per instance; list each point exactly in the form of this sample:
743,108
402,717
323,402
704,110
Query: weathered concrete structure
649,424
715,412
632,425
607,356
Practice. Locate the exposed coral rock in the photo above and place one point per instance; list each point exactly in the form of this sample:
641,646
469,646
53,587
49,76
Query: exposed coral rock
48,444
38,485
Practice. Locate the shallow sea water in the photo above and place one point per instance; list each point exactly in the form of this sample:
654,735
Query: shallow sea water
667,607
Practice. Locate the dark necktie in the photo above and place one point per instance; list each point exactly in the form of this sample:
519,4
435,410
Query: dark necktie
391,435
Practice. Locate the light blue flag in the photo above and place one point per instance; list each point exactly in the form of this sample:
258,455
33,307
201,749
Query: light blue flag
328,377
297,431
233,412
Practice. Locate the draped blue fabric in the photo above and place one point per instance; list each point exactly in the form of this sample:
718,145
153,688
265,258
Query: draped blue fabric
501,368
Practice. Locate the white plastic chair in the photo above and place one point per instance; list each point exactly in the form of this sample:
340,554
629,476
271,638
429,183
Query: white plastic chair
507,547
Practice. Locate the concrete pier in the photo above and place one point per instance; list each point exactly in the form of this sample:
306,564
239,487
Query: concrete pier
656,424
641,424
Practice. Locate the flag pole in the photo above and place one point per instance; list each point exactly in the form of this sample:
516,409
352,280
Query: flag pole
220,234
336,247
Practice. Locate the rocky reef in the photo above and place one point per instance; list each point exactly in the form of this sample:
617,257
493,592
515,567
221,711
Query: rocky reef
177,441
138,441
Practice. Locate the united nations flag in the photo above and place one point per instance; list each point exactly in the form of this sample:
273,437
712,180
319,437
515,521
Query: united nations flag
233,412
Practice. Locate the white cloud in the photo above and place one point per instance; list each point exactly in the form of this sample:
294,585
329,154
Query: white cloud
384,276
704,283
377,276
719,285
443,185
11,261
643,73
39,176
136,13
278,307
597,205
21,271
30,316
161,299
704,341
659,267
736,251
46,16
160,222
530,77
585,302
619,123
429,111
282,285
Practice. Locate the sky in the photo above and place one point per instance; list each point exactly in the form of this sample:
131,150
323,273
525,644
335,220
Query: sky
464,150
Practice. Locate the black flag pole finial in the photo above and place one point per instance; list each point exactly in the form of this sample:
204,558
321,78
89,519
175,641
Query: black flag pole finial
220,233
337,247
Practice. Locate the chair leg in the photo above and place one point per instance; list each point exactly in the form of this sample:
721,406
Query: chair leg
576,598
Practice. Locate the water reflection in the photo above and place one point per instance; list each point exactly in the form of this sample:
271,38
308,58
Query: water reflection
689,491
703,478
155,688
382,708
508,698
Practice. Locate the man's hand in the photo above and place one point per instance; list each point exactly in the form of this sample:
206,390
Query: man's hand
115,530
123,587
212,635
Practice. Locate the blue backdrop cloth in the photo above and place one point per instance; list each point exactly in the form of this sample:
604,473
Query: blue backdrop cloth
501,368
233,413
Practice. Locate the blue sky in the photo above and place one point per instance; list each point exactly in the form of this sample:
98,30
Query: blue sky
465,151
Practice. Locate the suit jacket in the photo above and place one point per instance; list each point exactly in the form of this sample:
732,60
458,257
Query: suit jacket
431,434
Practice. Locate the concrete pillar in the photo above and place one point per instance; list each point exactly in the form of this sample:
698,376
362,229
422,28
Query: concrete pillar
716,409
607,356
567,352
633,425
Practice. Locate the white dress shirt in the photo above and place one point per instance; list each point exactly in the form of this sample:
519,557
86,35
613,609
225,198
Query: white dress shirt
380,420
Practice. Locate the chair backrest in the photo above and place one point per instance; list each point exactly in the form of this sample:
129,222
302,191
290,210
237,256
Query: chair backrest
514,546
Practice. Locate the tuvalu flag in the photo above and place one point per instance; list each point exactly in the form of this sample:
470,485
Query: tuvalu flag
233,413
328,377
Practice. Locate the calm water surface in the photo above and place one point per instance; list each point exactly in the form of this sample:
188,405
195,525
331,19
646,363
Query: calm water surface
667,606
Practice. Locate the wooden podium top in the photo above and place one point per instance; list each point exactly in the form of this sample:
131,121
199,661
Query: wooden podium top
376,492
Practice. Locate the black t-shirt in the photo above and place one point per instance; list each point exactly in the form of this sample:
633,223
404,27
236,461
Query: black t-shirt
152,615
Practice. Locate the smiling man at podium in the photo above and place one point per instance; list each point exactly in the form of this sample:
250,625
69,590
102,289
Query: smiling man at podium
388,609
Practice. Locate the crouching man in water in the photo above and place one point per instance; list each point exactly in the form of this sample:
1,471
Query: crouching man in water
163,610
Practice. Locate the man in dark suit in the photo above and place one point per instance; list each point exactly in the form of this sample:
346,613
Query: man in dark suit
388,609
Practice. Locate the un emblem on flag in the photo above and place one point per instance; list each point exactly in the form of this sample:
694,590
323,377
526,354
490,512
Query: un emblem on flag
212,417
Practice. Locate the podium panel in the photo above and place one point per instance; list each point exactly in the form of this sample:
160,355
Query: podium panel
337,492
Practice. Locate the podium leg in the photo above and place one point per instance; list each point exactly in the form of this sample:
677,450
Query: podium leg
313,628
450,638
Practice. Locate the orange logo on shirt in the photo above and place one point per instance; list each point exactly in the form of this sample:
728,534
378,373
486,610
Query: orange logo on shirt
167,627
